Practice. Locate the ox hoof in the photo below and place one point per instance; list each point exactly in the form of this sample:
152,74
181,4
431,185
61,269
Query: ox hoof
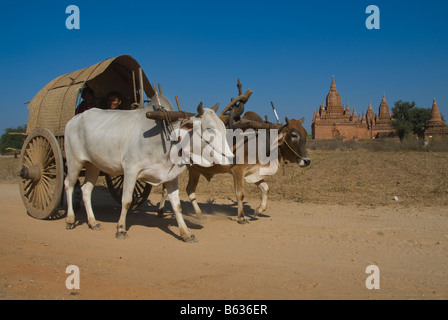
244,221
95,227
190,239
122,235
160,213
258,211
69,226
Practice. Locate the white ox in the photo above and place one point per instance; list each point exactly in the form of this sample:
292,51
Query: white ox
126,142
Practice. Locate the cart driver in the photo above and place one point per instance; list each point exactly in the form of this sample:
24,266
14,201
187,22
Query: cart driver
89,102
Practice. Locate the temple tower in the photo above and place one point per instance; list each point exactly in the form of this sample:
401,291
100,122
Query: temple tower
384,113
436,128
333,102
383,124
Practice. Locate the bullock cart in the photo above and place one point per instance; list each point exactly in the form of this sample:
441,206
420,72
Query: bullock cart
42,158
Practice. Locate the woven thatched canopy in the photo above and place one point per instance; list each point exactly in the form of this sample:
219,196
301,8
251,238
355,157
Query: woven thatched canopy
55,104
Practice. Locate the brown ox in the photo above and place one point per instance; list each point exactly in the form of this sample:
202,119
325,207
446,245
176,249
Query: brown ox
291,146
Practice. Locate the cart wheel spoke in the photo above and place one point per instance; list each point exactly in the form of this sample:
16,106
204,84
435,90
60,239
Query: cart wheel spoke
42,173
139,195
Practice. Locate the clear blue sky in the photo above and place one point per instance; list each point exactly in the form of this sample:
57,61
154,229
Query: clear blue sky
285,51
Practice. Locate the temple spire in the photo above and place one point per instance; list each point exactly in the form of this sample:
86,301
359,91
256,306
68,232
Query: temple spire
333,101
435,113
383,112
370,115
333,84
436,127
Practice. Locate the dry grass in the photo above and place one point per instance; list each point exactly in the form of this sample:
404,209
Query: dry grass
357,177
392,145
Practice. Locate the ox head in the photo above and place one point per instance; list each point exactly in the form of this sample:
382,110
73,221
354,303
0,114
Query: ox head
292,142
164,102
207,138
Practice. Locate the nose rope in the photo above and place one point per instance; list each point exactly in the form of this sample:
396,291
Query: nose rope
284,140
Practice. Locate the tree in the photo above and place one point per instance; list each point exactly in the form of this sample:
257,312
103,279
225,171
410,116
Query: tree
409,119
400,114
12,141
418,118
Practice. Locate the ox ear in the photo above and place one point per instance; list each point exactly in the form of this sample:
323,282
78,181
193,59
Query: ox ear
302,120
215,107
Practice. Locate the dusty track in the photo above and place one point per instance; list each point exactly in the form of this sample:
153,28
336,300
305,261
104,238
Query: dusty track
294,251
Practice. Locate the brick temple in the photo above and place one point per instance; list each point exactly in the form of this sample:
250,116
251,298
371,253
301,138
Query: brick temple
436,128
336,121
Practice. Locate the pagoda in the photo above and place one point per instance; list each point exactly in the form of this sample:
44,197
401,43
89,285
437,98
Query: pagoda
436,128
334,120
383,123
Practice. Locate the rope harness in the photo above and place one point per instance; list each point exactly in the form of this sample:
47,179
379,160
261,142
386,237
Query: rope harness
290,148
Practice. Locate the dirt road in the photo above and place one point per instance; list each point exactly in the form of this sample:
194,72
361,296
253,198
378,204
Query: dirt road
294,251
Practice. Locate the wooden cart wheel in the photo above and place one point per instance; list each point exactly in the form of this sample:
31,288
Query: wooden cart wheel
41,173
140,195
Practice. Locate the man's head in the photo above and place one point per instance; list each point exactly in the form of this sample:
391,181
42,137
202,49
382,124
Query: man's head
87,94
114,100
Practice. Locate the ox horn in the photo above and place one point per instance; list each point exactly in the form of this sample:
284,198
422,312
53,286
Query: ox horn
200,109
160,89
215,107
287,120
142,89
